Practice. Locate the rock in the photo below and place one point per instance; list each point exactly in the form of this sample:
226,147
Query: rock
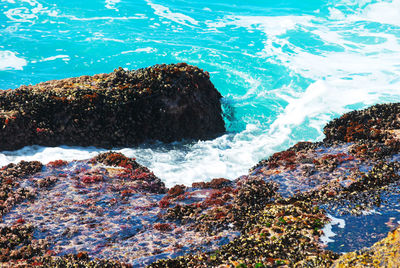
176,190
216,183
373,123
124,108
282,205
274,216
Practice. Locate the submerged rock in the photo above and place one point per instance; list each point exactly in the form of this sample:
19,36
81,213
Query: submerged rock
123,108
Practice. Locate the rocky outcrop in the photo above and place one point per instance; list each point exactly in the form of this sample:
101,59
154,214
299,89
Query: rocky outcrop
123,108
283,205
110,211
374,124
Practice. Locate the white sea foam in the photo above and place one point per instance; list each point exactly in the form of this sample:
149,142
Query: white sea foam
28,13
387,12
100,36
353,73
273,25
110,4
227,156
47,154
10,61
177,17
36,10
139,50
137,17
63,57
327,230
370,212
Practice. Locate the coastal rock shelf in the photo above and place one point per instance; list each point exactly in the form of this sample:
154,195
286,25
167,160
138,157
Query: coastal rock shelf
108,207
325,198
302,207
123,108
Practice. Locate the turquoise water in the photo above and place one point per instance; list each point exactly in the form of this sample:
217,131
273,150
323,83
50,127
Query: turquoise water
285,68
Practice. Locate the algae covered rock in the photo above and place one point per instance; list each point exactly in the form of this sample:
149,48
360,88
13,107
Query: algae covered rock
376,123
123,108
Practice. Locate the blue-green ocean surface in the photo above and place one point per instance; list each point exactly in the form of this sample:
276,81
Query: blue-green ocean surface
285,68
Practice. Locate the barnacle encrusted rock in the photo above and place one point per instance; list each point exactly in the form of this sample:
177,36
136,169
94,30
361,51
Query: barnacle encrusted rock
123,108
375,123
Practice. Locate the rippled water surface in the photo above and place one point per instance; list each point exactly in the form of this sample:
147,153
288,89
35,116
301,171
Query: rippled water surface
285,68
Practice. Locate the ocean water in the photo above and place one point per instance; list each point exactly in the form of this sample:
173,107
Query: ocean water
285,68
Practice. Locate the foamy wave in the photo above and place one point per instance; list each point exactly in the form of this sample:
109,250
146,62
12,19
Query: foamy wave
345,73
137,17
32,11
64,57
9,61
228,156
273,25
385,12
47,154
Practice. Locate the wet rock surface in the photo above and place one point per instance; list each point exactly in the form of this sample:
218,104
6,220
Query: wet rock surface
385,253
328,198
302,207
108,210
123,108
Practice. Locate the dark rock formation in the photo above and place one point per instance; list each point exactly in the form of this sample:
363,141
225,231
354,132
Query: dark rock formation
123,108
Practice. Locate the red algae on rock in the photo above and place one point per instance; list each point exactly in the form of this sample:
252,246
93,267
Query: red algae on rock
176,190
57,163
216,183
116,159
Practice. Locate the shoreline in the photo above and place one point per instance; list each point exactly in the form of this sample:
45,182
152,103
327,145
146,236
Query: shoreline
302,206
283,199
